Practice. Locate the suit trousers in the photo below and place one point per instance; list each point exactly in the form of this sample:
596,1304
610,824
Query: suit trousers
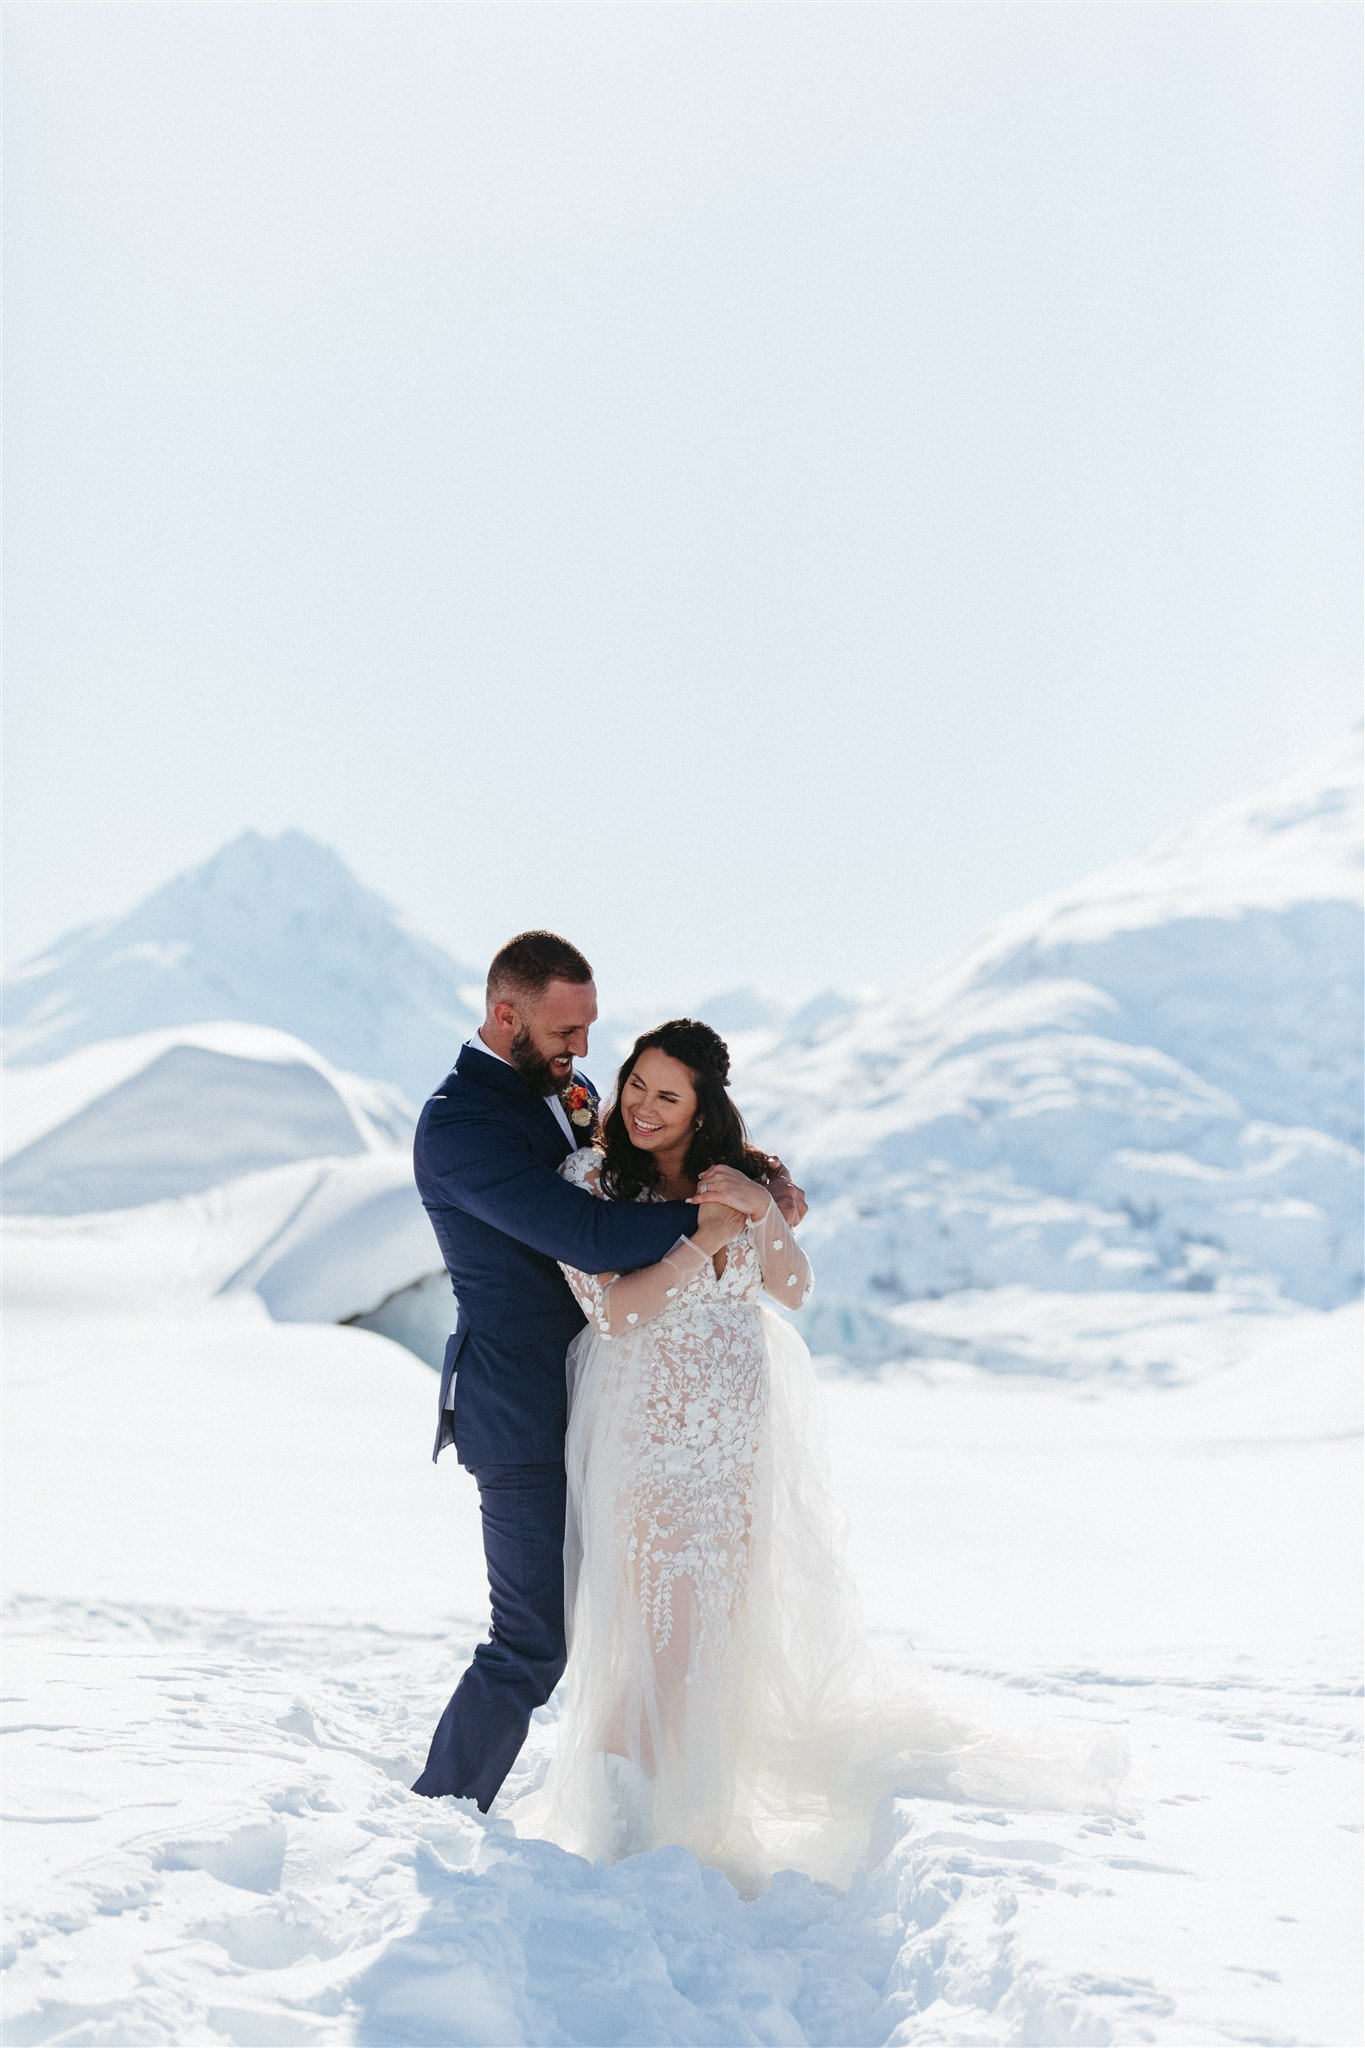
515,1671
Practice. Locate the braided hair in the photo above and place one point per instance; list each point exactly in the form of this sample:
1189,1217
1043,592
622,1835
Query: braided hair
721,1139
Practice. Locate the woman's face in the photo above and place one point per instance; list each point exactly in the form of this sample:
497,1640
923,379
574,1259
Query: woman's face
659,1102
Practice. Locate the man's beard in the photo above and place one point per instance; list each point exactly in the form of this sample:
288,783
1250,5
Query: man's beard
534,1068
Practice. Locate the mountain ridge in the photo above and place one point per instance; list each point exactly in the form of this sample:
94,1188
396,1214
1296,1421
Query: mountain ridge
268,930
1150,1079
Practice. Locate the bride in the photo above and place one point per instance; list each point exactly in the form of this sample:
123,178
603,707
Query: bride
720,1692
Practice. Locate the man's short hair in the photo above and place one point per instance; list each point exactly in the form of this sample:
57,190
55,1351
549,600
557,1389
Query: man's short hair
527,964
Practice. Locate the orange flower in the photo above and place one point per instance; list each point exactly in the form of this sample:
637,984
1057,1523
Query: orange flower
579,1104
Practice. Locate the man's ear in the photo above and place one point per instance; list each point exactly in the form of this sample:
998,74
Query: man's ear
506,1016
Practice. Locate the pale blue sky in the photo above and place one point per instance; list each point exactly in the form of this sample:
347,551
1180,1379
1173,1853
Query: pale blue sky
764,489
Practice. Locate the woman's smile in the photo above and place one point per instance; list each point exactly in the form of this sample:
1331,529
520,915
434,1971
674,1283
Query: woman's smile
659,1104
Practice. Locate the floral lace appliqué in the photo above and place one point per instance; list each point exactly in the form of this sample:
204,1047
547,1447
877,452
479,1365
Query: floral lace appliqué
692,1433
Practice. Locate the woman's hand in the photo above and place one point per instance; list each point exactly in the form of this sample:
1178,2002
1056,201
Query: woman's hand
728,1184
717,1225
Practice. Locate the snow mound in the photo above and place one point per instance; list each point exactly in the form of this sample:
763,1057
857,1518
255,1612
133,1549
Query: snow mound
1302,1384
269,931
170,1113
358,1237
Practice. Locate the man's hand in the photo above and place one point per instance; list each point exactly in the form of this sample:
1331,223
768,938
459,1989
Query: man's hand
790,1199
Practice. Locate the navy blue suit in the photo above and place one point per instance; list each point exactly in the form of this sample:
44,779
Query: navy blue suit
486,1158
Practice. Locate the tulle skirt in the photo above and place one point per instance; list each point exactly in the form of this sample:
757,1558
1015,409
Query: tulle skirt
755,1727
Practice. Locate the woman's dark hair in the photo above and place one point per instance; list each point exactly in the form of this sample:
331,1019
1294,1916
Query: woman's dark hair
722,1139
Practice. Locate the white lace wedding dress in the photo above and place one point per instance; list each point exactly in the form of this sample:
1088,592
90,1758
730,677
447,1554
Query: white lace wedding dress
720,1692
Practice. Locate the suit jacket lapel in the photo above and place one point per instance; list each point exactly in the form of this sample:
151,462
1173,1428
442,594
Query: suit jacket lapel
485,1072
517,1096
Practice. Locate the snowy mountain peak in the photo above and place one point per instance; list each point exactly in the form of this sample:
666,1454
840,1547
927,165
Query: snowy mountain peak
285,876
1151,1078
1298,840
287,865
273,931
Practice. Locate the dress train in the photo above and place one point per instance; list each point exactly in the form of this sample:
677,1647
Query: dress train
721,1691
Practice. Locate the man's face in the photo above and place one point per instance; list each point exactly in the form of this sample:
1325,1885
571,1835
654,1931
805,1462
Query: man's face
550,1032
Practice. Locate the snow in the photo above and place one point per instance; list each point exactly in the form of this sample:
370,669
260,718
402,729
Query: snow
359,1235
1105,1337
238,1593
173,1112
1152,1080
1088,1318
270,931
752,1022
340,1239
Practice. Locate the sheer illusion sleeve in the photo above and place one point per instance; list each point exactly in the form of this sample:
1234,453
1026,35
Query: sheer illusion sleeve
785,1267
614,1302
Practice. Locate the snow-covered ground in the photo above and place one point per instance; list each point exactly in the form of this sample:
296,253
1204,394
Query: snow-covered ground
238,1593
1087,1243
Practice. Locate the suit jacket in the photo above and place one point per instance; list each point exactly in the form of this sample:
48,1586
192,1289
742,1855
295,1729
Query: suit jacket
486,1157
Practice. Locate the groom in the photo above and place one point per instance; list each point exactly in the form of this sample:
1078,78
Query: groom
488,1147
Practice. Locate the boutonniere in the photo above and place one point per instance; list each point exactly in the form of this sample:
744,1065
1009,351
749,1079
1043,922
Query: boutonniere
578,1102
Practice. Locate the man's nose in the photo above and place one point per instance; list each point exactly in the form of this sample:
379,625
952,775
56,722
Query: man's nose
578,1044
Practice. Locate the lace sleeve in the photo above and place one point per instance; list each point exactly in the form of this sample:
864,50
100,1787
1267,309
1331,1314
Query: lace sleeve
785,1267
614,1302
